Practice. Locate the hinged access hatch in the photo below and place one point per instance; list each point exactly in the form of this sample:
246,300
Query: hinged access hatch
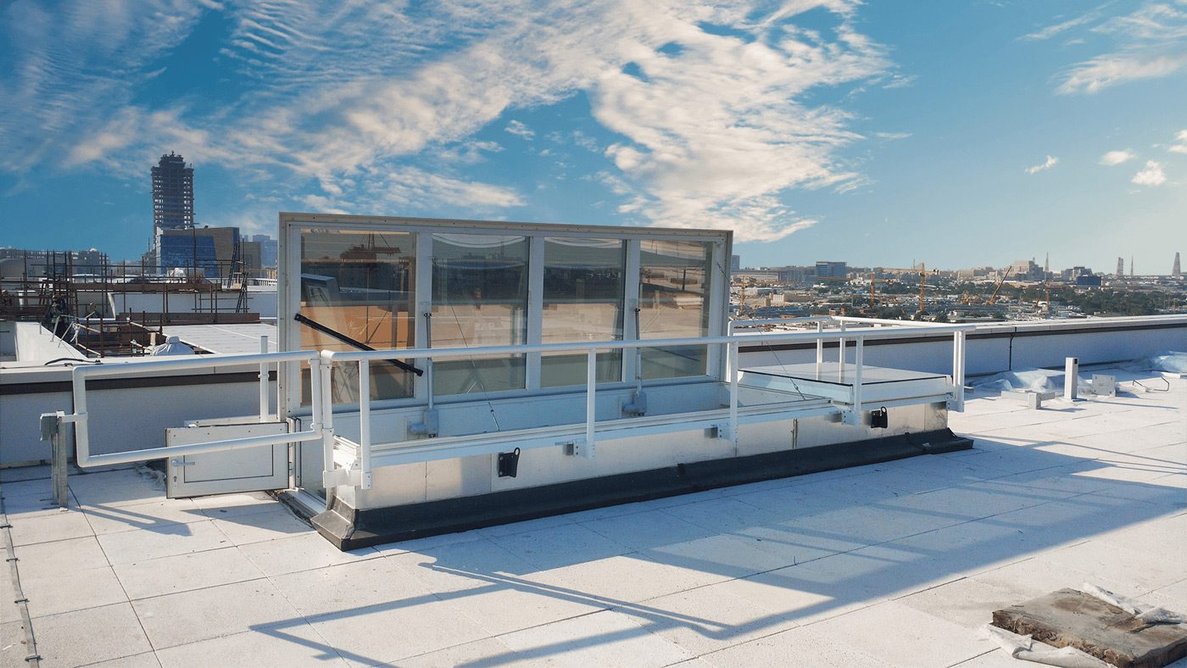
247,470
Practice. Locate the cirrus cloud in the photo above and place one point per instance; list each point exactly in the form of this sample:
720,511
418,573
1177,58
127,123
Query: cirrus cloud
1149,42
708,104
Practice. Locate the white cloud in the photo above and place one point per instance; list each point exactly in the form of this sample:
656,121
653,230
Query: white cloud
1050,162
1105,71
1151,175
1060,28
1114,158
520,130
1149,42
356,100
1180,145
67,66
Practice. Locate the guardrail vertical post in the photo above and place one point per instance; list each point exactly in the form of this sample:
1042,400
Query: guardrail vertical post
819,348
51,430
958,359
963,343
264,381
591,402
82,437
365,424
858,363
323,367
315,395
733,362
59,471
841,354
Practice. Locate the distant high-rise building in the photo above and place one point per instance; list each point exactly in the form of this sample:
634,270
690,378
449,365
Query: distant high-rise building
1131,265
1176,272
1120,267
210,252
269,249
1026,270
172,194
831,270
735,263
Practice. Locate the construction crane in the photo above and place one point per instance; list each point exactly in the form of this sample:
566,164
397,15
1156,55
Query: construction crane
1000,282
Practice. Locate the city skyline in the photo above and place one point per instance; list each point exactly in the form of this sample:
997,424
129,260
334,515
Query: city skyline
956,134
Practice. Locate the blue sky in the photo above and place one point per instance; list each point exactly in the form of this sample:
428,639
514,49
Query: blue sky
957,133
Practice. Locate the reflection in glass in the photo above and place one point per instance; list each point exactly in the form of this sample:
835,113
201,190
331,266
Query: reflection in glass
359,284
674,303
480,288
583,298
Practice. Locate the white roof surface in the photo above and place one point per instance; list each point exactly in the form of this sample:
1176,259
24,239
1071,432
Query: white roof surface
227,339
893,564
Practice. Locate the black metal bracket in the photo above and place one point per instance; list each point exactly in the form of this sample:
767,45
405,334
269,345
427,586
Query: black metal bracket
313,324
879,419
508,464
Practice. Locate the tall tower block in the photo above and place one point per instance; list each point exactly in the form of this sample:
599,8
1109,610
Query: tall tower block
172,194
1176,272
1120,267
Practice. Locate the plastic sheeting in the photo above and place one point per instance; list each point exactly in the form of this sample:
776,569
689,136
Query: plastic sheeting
1038,380
1172,361
1027,648
1147,613
1033,380
172,346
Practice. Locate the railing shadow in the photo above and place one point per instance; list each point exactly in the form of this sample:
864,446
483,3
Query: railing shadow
926,521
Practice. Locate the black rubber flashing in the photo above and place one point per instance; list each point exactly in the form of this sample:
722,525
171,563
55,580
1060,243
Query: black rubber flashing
350,529
135,383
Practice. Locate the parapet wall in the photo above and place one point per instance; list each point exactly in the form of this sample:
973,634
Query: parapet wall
1007,346
138,411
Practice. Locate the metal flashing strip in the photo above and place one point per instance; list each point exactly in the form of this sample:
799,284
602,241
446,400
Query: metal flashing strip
450,447
350,529
65,386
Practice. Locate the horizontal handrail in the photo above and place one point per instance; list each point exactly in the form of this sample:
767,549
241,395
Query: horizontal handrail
908,324
134,366
81,374
146,454
421,353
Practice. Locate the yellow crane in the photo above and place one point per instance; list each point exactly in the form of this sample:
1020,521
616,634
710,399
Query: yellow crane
1000,282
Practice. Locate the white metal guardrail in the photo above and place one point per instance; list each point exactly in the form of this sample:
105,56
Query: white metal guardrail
51,422
857,330
321,429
